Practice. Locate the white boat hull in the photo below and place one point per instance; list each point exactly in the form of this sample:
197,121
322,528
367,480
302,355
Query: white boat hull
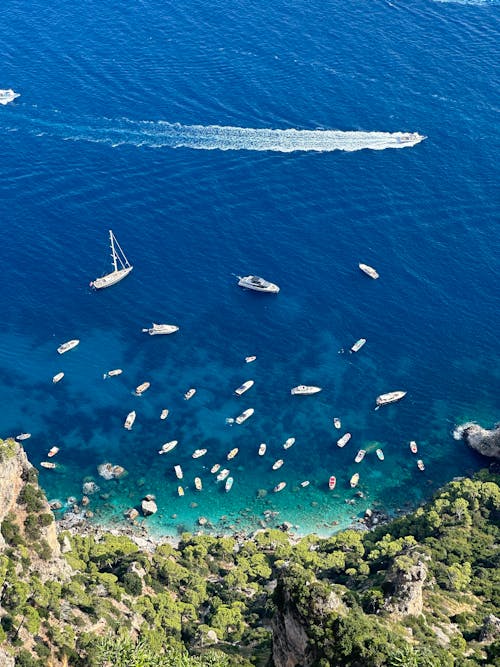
111,278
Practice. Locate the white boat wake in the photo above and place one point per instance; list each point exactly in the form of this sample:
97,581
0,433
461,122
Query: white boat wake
469,2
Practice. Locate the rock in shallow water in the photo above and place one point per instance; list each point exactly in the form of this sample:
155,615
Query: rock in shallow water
485,442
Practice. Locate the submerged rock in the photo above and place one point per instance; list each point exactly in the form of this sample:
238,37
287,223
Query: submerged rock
110,471
485,442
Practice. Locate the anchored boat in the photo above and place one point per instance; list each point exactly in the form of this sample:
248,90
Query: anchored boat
69,345
58,377
189,394
354,480
129,422
288,443
391,397
279,487
369,270
244,387
262,449
332,482
277,464
167,447
161,329
121,266
258,284
304,390
358,345
142,388
232,453
341,442
360,456
244,416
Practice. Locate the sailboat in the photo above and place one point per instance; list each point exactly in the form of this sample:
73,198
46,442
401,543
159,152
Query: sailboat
121,266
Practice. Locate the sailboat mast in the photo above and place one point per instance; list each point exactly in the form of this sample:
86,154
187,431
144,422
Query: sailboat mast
113,252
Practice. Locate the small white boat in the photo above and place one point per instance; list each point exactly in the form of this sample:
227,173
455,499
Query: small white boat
129,422
8,95
413,447
277,464
229,484
121,266
48,464
178,472
369,270
142,388
161,329
304,390
420,465
250,359
337,423
380,454
189,394
232,453
360,456
198,452
258,284
354,480
69,345
23,436
358,345
113,373
167,447
288,443
244,387
58,377
180,491
305,483
215,468
222,475
244,416
197,484
53,451
164,414
341,442
279,487
391,397
262,449
409,138
332,482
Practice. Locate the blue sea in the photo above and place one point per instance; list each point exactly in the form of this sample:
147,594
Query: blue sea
233,138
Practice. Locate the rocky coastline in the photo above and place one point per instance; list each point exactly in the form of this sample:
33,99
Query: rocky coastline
484,441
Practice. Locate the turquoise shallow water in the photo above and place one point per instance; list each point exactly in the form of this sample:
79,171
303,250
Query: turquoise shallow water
127,121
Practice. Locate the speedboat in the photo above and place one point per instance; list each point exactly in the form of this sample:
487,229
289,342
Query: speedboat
391,397
232,453
331,482
229,484
48,464
250,359
197,484
198,452
420,465
8,95
369,270
167,447
23,436
158,329
354,480
409,138
180,491
306,482
413,447
164,414
222,475
215,468
53,451
244,387
58,377
244,416
69,345
279,487
115,371
337,423
288,443
277,464
178,472
360,456
262,449
257,284
189,394
129,422
341,442
142,388
304,390
380,454
358,345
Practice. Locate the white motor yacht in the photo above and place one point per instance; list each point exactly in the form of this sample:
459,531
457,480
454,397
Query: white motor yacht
304,390
369,270
69,345
129,422
167,447
158,329
58,377
244,416
8,95
257,284
391,397
244,387
358,345
341,442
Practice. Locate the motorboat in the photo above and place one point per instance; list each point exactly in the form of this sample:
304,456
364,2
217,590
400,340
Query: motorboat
288,443
198,452
48,464
244,387
139,391
331,482
358,345
250,359
380,454
167,447
8,95
129,422
53,451
197,484
222,475
257,284
413,447
244,416
342,442
279,487
337,423
121,266
277,464
215,468
178,472
229,484
304,390
232,453
161,329
23,436
360,456
113,373
391,397
409,138
306,482
262,449
180,491
420,465
58,377
354,480
369,271
189,394
69,345
164,414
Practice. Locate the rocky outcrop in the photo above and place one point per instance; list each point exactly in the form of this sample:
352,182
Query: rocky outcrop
290,640
482,440
407,588
148,505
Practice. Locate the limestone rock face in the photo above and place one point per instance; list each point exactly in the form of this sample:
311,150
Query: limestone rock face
148,507
484,441
6,660
290,641
408,584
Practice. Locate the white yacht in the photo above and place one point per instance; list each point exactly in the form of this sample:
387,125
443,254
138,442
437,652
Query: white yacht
129,422
244,416
288,443
369,270
341,442
178,472
198,452
337,423
167,447
249,360
222,475
304,390
164,414
262,449
189,394
121,266
279,487
58,377
142,388
158,329
391,397
113,373
277,464
69,345
360,456
257,284
232,453
23,436
8,95
244,387
358,345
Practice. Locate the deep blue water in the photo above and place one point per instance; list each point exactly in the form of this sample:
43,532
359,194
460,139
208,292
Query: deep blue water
126,121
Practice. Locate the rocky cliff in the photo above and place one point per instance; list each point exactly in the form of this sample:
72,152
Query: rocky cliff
484,441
